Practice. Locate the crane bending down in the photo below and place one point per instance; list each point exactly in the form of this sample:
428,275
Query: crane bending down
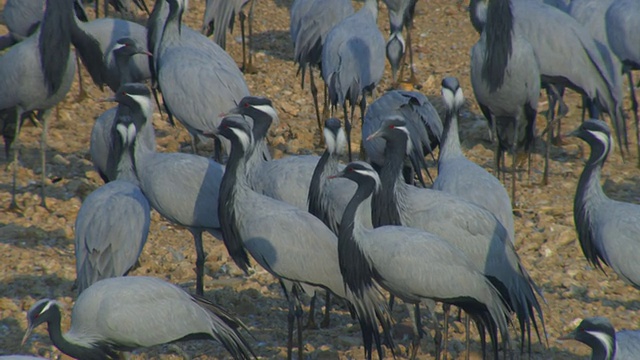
126,313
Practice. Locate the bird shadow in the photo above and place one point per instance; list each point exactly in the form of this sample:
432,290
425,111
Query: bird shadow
32,236
275,43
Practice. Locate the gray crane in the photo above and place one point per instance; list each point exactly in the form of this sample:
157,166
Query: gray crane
353,62
111,229
113,222
311,21
604,341
219,15
182,187
472,229
460,176
567,56
36,74
505,76
413,264
96,41
126,313
290,243
100,141
422,118
623,34
198,79
607,229
401,14
22,19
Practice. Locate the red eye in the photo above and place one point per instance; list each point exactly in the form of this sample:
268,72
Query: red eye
392,126
123,93
350,169
246,105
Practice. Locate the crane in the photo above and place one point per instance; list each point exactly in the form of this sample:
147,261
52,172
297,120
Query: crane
606,228
458,175
35,75
125,313
413,264
353,62
401,14
310,23
291,244
183,188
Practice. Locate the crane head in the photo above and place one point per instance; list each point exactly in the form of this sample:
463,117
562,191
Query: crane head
597,333
452,94
597,134
361,173
394,129
334,136
128,47
44,310
395,53
238,130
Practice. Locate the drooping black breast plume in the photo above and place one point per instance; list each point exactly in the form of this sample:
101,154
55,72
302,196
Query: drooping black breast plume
55,42
499,32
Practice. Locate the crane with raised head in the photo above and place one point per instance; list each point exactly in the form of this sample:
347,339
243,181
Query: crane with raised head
607,229
183,188
303,256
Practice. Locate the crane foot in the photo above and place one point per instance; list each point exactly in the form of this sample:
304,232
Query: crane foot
249,69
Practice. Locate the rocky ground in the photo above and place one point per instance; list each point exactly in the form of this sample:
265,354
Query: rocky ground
36,245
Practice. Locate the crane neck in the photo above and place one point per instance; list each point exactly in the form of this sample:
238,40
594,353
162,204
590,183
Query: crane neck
172,26
356,270
68,347
54,42
233,185
317,198
478,14
450,142
372,7
498,32
123,66
155,26
90,52
384,205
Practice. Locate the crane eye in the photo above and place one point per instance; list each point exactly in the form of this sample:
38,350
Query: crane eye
246,105
392,126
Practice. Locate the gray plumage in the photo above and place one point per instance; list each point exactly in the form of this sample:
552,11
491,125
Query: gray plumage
413,264
505,76
353,61
623,34
304,254
310,23
198,79
401,14
36,74
460,176
604,341
556,37
425,126
96,41
607,229
126,313
181,187
22,19
472,229
111,230
220,15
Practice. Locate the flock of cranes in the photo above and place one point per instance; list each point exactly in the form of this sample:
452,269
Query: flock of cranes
359,231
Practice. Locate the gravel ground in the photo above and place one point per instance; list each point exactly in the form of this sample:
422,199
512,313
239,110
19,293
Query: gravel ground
36,245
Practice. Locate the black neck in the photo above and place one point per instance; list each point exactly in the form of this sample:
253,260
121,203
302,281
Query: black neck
122,63
356,270
55,42
384,207
74,350
474,9
499,32
226,206
154,33
313,199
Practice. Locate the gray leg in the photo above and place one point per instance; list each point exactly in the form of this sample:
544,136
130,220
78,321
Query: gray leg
634,107
200,257
311,323
327,311
14,205
43,117
347,128
314,94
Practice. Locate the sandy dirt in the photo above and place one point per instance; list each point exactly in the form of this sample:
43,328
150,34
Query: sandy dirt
37,251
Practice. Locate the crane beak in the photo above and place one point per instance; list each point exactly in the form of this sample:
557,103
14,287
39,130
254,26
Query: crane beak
146,52
109,99
570,336
336,175
574,133
26,335
374,135
211,134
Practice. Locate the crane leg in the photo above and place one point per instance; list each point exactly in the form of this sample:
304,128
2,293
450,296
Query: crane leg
467,339
311,323
550,123
96,8
327,311
347,127
82,94
414,312
242,18
43,117
247,65
314,94
298,314
445,341
290,320
514,163
200,257
363,109
325,110
18,115
634,107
